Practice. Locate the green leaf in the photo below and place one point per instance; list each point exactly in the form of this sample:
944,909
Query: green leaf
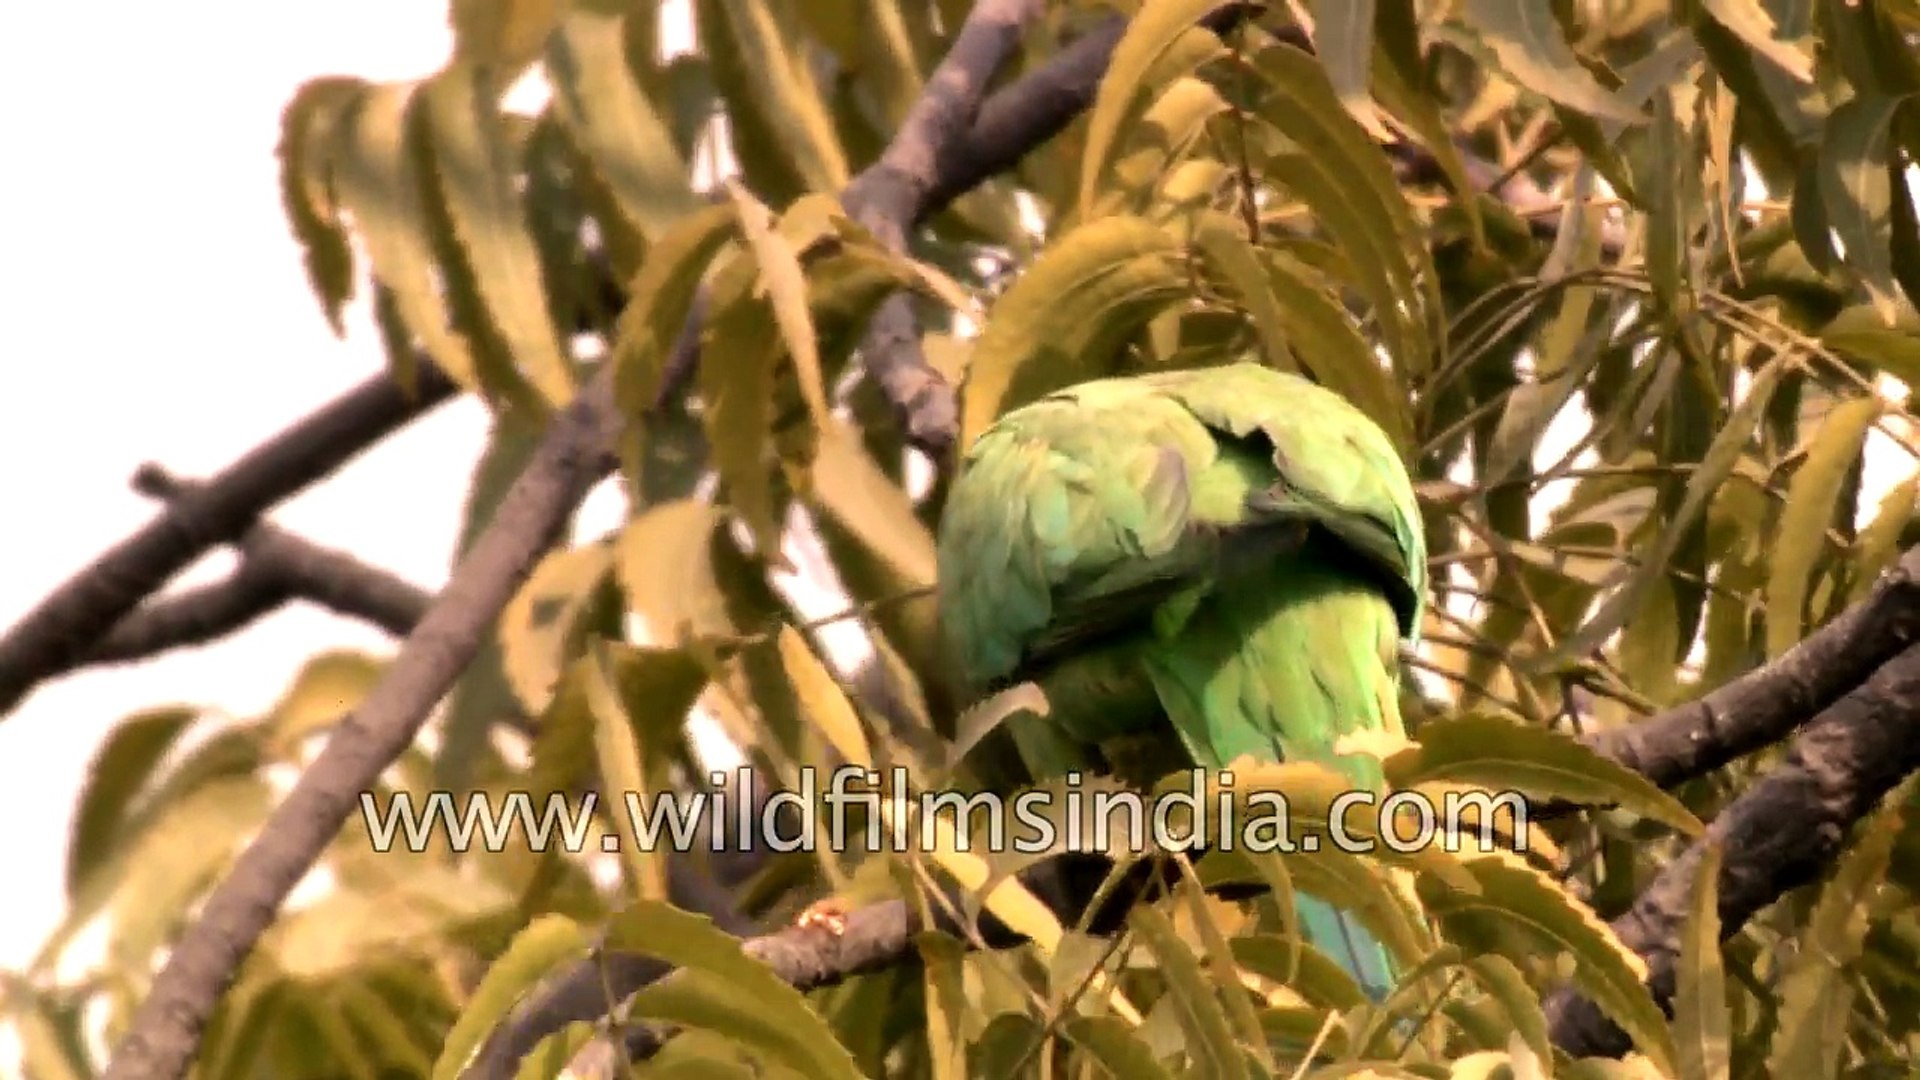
763,1010
631,147
823,701
1702,1022
784,91
1343,40
1857,194
1150,36
377,182
1521,914
1060,321
1347,181
850,487
540,627
1115,1047
307,188
120,771
546,943
473,168
502,35
664,561
1210,1042
1801,537
1533,49
1490,752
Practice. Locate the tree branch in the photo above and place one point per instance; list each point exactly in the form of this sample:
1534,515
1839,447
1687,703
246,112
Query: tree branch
573,455
1776,837
60,633
276,566
1761,707
889,195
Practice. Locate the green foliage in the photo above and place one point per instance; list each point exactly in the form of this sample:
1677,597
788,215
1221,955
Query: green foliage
1635,400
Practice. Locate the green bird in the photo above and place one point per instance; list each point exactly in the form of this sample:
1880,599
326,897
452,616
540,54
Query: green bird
1194,566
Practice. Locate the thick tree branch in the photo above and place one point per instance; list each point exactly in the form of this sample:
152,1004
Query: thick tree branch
888,196
70,622
1777,836
572,456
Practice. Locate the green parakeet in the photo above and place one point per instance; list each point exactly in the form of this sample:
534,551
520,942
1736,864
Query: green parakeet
1209,563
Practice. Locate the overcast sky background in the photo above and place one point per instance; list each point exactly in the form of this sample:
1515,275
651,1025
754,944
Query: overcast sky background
158,311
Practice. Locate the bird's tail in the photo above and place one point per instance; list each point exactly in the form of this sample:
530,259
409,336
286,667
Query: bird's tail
1348,943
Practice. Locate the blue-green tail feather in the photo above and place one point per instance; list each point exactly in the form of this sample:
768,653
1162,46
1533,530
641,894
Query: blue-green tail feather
1341,936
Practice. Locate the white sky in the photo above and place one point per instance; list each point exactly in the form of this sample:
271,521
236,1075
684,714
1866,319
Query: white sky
160,312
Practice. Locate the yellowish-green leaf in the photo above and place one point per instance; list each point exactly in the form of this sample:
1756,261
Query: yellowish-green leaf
547,942
1879,543
1174,124
1715,466
1522,914
327,688
473,166
849,486
1061,320
623,772
823,700
1702,1022
1857,191
1504,983
120,770
503,35
539,629
43,1053
1533,49
739,382
664,561
631,147
1801,538
1499,754
1816,994
787,94
1348,182
1110,1042
1210,1038
1752,23
307,187
785,287
943,961
1227,250
658,300
787,1026
1859,333
1150,36
1343,40
375,178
